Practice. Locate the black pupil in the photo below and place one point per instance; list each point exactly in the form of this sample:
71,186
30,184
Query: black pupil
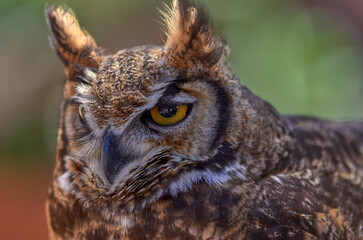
168,112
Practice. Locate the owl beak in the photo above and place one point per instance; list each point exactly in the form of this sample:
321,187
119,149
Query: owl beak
112,157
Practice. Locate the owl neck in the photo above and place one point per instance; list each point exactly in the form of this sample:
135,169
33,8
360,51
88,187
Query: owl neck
264,137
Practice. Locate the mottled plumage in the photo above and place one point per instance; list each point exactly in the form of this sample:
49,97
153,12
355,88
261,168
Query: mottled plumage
232,168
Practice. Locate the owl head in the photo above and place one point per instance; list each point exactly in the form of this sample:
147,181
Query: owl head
153,120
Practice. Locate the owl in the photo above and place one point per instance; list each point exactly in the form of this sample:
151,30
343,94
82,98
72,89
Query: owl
164,142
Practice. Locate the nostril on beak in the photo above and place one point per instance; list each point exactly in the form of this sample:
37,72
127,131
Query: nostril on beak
112,157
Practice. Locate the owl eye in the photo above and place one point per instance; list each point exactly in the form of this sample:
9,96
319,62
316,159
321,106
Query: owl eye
81,114
169,115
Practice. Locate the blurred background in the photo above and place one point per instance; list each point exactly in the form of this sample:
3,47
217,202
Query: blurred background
303,56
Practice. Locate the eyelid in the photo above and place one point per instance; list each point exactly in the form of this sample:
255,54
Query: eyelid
75,103
181,98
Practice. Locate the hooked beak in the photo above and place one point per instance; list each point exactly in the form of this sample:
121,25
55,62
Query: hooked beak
113,158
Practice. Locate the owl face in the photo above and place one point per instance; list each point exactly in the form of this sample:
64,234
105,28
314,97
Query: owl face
136,106
135,121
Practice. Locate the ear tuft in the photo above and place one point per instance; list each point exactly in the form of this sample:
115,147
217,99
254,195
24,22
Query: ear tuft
190,34
72,44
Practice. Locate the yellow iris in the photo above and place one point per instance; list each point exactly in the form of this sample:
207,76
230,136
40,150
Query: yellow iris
168,115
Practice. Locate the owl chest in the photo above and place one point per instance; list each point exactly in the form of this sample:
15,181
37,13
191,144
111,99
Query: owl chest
233,211
198,214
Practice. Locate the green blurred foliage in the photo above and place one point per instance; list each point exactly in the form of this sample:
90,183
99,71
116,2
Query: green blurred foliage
301,61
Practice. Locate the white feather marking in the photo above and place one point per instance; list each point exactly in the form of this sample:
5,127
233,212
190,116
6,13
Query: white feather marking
64,182
84,79
277,179
90,74
186,181
84,89
127,222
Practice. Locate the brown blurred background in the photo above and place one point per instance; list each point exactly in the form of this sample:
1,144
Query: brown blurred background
304,57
